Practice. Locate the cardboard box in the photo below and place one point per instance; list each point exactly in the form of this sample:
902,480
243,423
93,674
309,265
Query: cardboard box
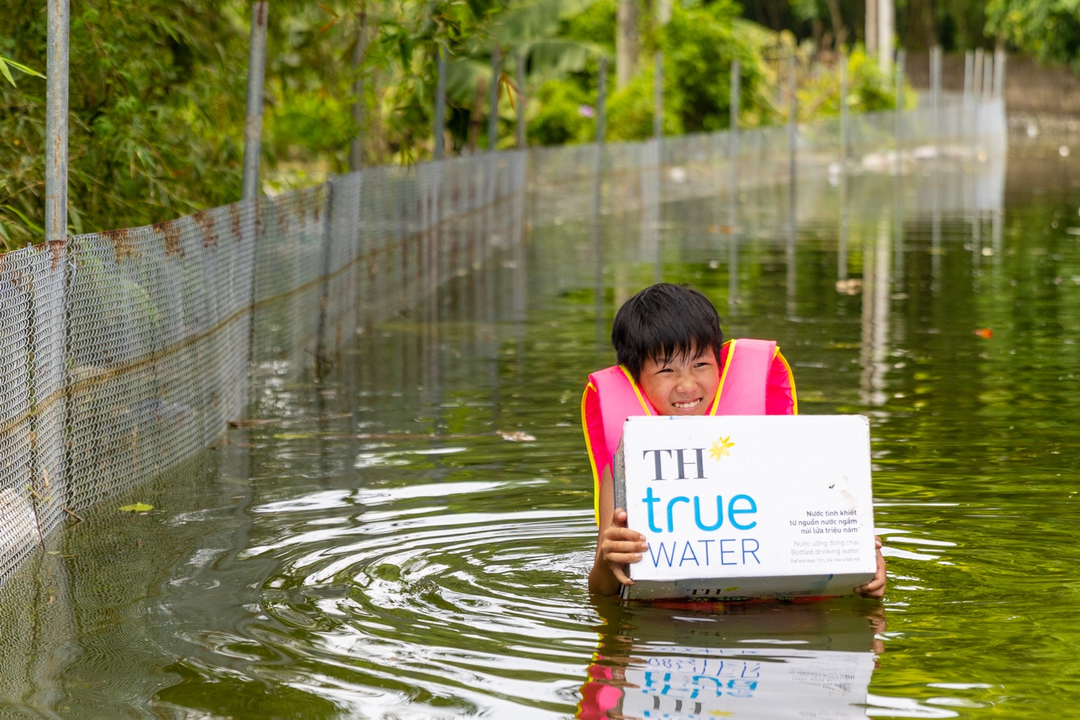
738,507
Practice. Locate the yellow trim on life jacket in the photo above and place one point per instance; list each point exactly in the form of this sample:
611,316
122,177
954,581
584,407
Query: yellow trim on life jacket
637,391
791,381
589,450
723,375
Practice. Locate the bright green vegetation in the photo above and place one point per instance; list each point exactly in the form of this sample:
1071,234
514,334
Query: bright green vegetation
1047,30
157,92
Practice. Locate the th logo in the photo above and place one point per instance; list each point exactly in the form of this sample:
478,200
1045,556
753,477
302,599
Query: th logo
680,460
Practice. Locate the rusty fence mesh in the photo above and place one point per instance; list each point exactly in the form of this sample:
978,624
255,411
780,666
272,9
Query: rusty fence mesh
123,353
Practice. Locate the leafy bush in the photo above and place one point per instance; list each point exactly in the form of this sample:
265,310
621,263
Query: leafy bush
566,115
630,110
156,98
869,89
699,45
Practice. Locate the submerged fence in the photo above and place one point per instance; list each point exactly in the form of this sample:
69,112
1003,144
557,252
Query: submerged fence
124,353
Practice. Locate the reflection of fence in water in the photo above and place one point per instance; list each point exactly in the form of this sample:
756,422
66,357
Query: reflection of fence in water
126,352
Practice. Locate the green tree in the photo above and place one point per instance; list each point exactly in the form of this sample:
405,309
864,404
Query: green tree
1047,29
155,89
699,44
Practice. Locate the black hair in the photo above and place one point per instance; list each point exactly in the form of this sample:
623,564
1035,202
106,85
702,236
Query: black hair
664,321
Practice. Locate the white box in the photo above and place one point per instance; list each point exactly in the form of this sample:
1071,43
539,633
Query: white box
737,507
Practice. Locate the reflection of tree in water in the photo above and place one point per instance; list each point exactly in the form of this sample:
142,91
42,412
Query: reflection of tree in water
768,660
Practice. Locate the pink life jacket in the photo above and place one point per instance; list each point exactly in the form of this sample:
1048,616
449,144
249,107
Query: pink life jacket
755,379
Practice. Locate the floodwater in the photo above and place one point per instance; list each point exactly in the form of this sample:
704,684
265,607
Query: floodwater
411,537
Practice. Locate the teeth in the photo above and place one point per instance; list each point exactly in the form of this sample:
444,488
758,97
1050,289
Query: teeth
690,404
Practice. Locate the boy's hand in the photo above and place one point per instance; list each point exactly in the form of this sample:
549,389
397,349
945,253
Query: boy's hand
876,587
620,546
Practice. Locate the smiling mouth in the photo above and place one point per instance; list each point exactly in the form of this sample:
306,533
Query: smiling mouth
686,405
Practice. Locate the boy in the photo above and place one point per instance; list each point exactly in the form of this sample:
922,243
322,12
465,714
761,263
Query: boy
672,360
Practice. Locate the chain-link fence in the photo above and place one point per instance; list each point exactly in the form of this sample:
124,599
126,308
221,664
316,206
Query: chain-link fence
124,353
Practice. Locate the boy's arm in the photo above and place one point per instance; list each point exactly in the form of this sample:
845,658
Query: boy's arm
616,544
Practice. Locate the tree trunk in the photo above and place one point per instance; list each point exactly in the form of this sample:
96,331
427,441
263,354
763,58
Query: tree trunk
663,12
886,22
836,19
626,42
871,27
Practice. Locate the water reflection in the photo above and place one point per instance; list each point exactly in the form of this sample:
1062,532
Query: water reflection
876,310
753,661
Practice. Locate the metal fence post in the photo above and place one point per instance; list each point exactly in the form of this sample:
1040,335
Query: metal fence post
969,69
793,139
56,120
976,73
595,238
493,103
999,74
935,95
734,100
901,58
601,103
521,139
935,92
844,120
253,123
658,96
733,183
793,109
440,102
842,250
898,189
356,148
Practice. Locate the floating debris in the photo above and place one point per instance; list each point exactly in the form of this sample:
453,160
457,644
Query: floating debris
516,436
852,286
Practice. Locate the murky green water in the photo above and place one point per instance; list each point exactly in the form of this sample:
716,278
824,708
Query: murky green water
411,538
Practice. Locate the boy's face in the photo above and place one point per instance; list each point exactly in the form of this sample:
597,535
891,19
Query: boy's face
684,386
